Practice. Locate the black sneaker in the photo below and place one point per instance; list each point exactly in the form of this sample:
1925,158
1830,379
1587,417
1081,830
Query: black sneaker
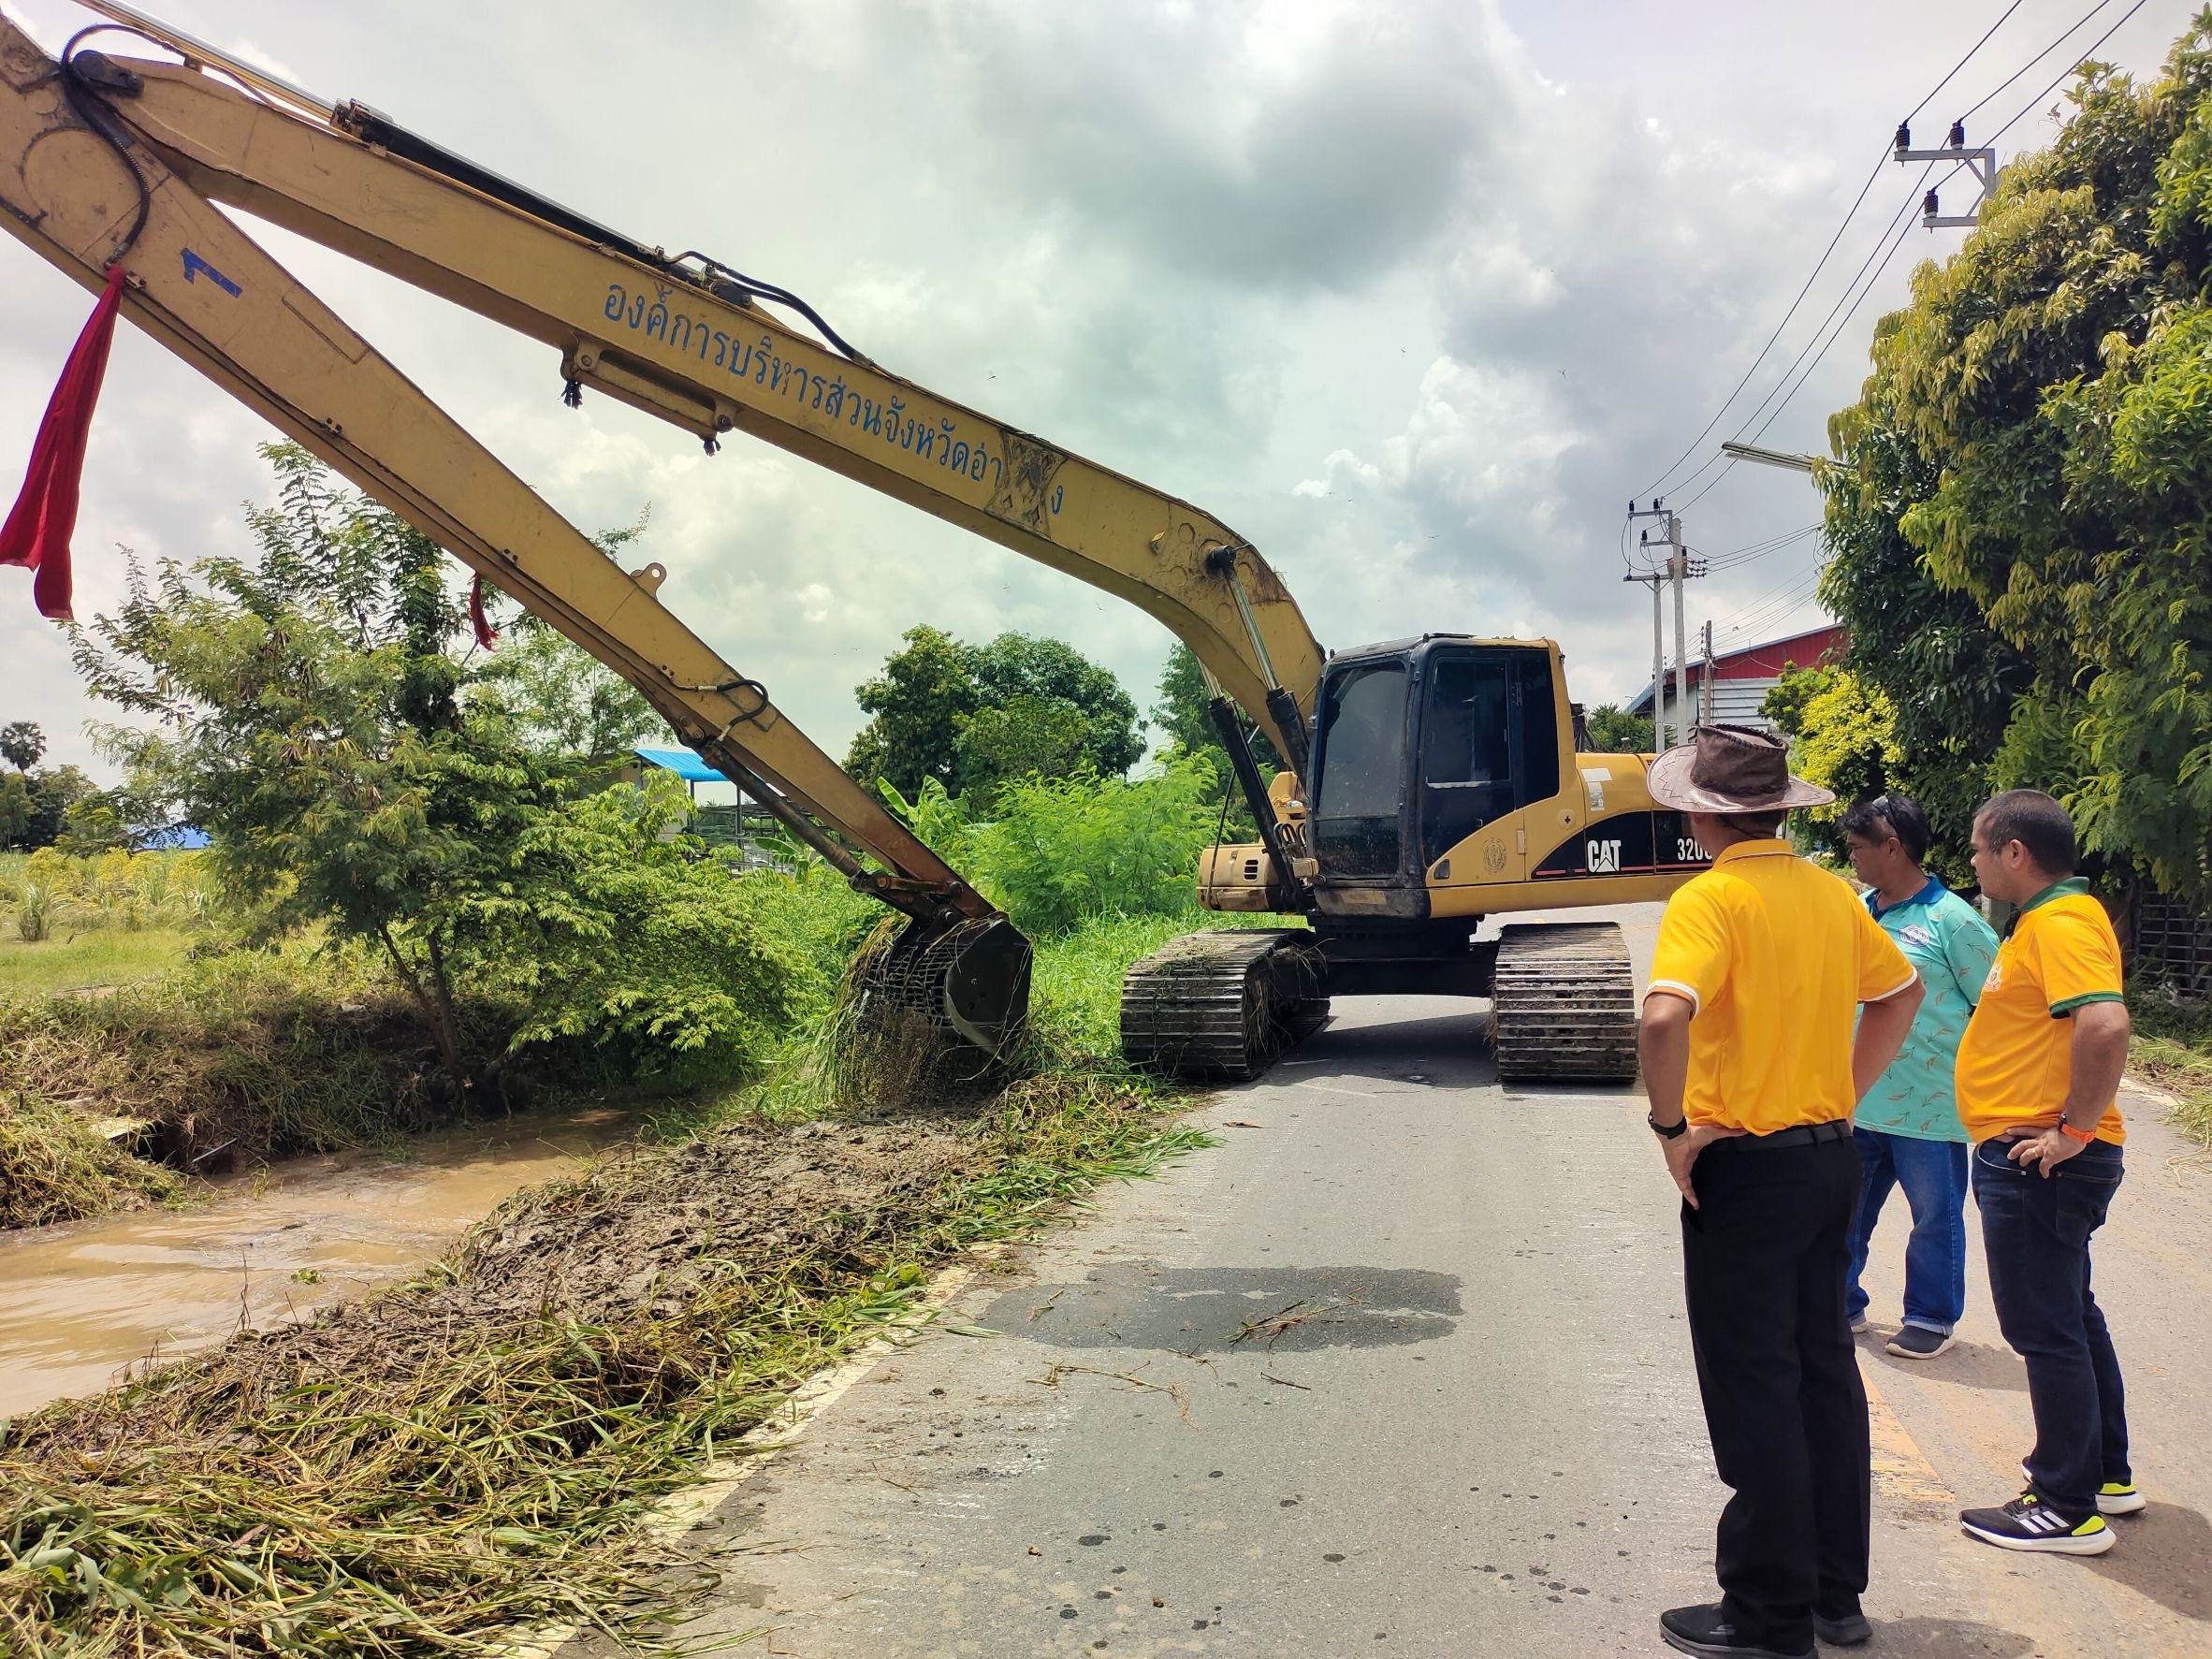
1917,1342
2115,1497
1846,1631
2030,1524
1705,1630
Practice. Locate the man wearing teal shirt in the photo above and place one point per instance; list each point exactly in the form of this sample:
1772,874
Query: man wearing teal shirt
1907,1126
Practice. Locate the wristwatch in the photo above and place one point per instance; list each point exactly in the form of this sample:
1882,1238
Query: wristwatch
1667,1131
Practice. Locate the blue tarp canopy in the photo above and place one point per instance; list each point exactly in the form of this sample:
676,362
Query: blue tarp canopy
681,761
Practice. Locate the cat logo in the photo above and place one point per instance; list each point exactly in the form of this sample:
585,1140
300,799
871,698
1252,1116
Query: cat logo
1493,858
1603,857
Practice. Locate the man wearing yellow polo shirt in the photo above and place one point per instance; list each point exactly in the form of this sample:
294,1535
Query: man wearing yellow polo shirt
1753,1068
2039,1072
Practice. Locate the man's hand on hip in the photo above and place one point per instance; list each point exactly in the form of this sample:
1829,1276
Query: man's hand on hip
1682,1154
2048,1151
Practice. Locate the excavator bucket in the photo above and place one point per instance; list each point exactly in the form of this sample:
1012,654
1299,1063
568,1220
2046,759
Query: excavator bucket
967,979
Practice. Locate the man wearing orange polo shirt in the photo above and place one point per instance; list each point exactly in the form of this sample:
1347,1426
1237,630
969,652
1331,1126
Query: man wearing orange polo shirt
2039,1072
1753,1068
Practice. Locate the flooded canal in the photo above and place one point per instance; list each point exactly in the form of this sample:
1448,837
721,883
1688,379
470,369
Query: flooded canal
81,1300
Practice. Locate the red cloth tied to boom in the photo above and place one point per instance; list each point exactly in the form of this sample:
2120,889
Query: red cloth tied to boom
487,635
38,529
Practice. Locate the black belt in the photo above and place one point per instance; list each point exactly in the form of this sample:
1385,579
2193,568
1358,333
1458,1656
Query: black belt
1804,1134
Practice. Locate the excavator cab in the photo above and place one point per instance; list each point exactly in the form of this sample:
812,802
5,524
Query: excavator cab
1419,744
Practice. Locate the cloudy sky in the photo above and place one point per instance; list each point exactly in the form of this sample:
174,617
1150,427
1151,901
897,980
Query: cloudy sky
1414,295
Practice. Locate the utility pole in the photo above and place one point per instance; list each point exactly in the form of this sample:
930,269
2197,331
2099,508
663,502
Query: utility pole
1981,163
1656,581
1677,568
1705,681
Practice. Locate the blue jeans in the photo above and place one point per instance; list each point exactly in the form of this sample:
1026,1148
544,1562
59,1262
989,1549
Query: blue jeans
1933,1175
2037,1233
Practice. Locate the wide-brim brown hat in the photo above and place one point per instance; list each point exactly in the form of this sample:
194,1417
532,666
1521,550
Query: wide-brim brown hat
1731,769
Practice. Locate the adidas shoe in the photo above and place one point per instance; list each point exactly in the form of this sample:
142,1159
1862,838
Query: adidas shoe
2115,1497
2118,1497
2030,1524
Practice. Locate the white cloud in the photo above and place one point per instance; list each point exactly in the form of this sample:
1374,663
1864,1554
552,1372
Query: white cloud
1413,295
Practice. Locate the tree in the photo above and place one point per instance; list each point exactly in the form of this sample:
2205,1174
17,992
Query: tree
311,718
21,744
562,700
1786,702
1615,731
916,706
970,716
2023,520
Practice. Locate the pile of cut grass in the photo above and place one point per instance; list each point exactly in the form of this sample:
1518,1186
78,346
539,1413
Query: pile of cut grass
56,1165
423,1472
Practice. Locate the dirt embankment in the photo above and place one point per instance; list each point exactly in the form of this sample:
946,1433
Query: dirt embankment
226,1063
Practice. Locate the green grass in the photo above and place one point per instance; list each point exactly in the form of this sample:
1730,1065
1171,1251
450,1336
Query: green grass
80,960
2173,1047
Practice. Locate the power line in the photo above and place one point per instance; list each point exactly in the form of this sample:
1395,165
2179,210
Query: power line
2038,58
1971,50
1821,264
2030,106
1817,348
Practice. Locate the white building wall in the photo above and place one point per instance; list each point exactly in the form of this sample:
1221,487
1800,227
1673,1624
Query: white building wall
1735,703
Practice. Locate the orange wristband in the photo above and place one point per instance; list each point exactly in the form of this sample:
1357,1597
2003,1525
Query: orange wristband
2084,1136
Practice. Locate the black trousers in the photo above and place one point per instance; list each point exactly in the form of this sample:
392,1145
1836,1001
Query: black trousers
1765,1257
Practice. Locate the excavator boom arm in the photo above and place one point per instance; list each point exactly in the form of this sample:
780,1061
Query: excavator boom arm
84,199
686,339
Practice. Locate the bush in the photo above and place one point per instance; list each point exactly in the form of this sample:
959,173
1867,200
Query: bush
601,931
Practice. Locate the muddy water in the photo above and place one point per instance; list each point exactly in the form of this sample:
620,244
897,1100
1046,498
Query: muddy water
80,1300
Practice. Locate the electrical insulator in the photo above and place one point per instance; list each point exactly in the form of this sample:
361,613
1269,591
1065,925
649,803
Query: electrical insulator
1928,206
1958,139
1904,138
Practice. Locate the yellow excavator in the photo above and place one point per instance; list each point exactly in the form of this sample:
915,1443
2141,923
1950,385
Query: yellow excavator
1430,782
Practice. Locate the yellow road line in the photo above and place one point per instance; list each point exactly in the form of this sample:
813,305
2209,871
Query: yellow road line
1900,1469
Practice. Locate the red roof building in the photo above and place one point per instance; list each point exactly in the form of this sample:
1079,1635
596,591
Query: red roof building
1741,679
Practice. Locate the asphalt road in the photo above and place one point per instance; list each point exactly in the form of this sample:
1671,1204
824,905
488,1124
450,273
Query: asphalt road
1400,1368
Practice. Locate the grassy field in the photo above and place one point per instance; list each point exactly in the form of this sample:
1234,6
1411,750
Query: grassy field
89,960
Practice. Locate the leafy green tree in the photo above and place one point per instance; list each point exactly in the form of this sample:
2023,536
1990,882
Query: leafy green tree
2025,498
16,811
1016,665
311,717
1846,741
1043,706
915,706
1615,731
1785,703
609,928
21,744
1061,851
1027,736
562,700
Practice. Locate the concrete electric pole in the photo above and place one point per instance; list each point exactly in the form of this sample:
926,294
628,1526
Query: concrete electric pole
1674,571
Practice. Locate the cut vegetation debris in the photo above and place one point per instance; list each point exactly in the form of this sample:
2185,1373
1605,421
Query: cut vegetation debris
424,1472
56,1165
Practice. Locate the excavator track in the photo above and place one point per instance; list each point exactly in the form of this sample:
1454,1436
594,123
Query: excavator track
1563,1003
1223,1004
